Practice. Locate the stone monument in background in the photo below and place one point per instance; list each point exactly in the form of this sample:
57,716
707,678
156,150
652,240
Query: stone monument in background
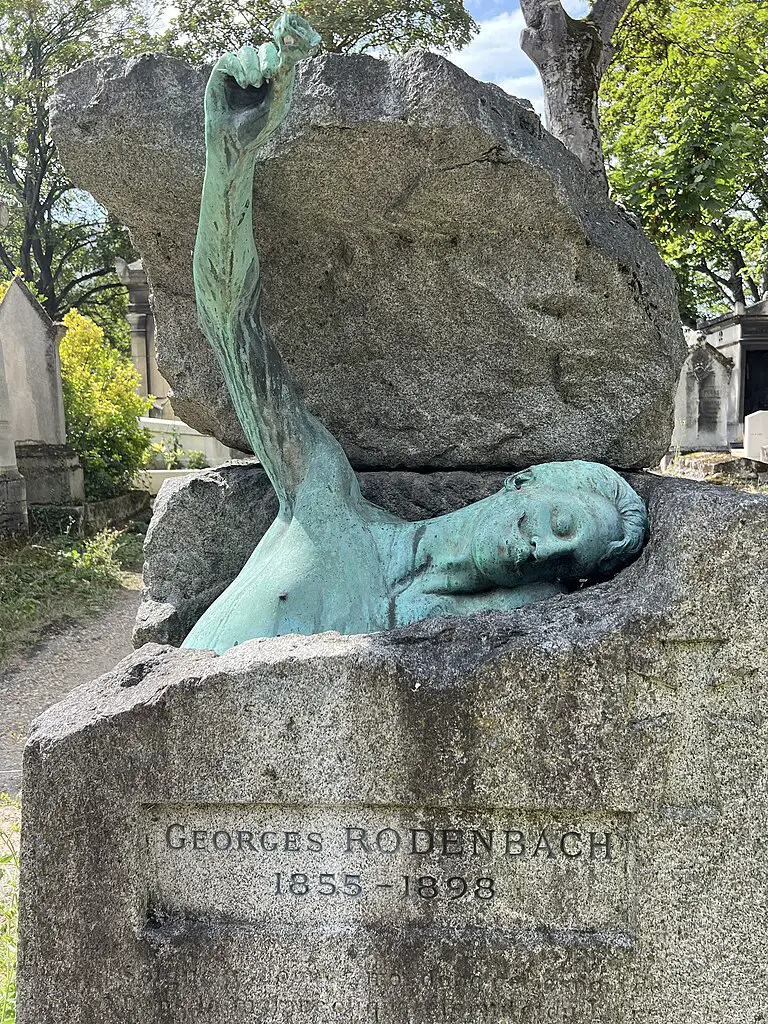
742,337
141,321
702,401
549,815
13,494
29,341
756,436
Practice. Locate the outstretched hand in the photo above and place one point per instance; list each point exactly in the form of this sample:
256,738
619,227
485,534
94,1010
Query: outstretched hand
240,103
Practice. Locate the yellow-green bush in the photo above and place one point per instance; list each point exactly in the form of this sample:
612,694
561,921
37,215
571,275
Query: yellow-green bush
102,408
9,905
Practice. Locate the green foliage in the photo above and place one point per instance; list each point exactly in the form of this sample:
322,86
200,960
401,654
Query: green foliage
169,454
204,29
50,580
169,451
684,108
197,460
102,408
62,241
5,285
9,905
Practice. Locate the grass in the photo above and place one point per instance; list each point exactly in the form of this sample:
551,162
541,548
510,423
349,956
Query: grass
47,581
9,905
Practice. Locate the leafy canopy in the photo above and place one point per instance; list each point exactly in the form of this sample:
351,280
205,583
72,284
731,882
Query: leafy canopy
684,110
58,238
204,29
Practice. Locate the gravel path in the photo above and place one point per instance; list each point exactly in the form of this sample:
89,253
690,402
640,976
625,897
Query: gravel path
70,657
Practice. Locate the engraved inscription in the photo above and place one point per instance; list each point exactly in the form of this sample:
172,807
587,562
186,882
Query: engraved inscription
512,869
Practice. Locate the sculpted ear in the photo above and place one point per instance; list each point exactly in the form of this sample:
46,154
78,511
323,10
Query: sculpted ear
514,483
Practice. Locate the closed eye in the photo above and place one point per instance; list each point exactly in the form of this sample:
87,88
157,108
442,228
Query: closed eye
562,525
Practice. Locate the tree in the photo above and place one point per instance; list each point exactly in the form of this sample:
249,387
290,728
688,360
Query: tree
572,55
684,109
204,29
58,237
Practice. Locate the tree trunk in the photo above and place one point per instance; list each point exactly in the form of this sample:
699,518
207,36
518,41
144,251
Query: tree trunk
572,56
737,283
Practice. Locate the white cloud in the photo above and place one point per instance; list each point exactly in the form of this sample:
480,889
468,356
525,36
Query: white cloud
526,87
576,8
495,51
494,55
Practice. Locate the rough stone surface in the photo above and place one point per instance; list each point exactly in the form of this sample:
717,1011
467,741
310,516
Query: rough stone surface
615,741
204,529
89,519
52,473
29,343
13,503
443,279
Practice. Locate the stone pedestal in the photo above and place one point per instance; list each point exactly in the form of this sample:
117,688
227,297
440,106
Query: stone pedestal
553,815
52,472
13,503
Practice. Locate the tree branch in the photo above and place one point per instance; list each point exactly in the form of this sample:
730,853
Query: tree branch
607,14
86,296
85,277
6,259
567,51
720,283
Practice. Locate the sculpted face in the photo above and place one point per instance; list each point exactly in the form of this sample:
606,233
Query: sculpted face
541,533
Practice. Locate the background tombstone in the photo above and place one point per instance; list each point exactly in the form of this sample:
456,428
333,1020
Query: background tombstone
756,436
13,499
701,402
742,336
141,321
29,341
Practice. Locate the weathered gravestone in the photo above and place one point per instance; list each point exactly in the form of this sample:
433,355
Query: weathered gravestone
701,402
552,815
29,341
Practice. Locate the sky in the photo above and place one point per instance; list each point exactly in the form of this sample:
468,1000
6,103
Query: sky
494,55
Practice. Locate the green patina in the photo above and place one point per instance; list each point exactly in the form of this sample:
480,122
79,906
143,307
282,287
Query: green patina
331,560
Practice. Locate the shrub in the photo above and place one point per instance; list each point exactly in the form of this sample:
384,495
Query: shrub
102,408
197,460
49,579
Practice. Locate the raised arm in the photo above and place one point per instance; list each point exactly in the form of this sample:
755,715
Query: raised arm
248,95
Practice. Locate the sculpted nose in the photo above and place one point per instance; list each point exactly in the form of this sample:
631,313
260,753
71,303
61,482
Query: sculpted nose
549,547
